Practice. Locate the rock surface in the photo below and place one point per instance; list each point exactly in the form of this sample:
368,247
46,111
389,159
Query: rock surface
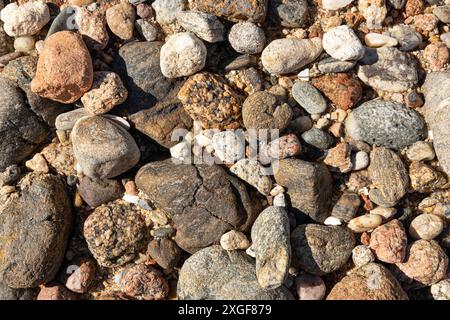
389,242
249,10
205,26
26,19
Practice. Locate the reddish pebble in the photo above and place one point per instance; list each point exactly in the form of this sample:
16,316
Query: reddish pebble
342,89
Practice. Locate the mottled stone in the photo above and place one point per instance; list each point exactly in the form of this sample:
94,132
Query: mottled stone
165,252
424,178
338,158
426,226
234,240
144,282
26,19
98,191
92,26
252,172
308,97
120,19
347,206
362,255
342,43
321,249
289,13
251,10
205,26
389,242
167,10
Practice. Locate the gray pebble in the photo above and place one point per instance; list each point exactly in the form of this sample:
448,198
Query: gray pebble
318,138
332,65
442,13
291,13
308,97
408,38
247,37
205,26
146,29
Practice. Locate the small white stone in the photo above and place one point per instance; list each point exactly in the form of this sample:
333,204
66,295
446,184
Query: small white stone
332,221
376,40
181,151
365,223
250,252
426,226
234,240
229,146
24,44
342,43
304,75
130,198
39,45
360,160
202,140
277,190
335,4
167,10
362,255
26,19
279,200
182,55
247,37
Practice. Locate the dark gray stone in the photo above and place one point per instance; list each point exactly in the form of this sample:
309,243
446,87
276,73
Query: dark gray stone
347,206
203,201
271,244
215,274
21,129
138,66
308,97
394,71
318,138
321,249
98,191
165,252
291,13
331,65
385,123
35,223
408,38
308,187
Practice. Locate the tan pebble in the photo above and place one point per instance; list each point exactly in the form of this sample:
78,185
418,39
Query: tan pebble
365,223
386,213
7,190
77,201
234,240
24,44
426,226
37,163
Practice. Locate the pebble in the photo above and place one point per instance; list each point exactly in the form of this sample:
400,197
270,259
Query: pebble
279,200
335,4
441,290
342,43
321,249
426,226
146,29
394,71
165,252
96,192
51,292
262,110
362,255
445,37
247,10
346,207
26,19
374,12
120,19
360,160
341,89
420,151
92,25
64,71
103,148
364,223
37,164
376,40
408,38
167,10
331,65
82,277
338,158
107,92
308,186
318,138
284,147
144,282
24,44
309,287
426,264
436,55
115,233
247,37
229,147
386,213
234,240
308,97
332,221
205,26
369,282
385,123
283,56
208,98
389,242
271,243
442,13
251,172
290,13
424,178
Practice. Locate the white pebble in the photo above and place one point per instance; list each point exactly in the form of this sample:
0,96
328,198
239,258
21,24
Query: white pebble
277,190
342,43
365,223
362,255
279,200
130,198
24,44
376,40
360,160
335,4
332,221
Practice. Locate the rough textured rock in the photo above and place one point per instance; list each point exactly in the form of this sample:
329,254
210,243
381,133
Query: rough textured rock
55,292
339,158
107,92
165,252
182,55
167,10
362,255
7,293
389,242
347,206
289,55
424,178
208,98
120,19
234,240
64,70
308,187
321,249
289,13
342,43
6,43
214,273
26,19
389,177
98,191
205,26
426,226
342,90
160,122
385,123
271,244
81,278
370,282
204,201
35,224
251,10
247,37
251,172
437,114
441,290
262,110
138,66
103,148
22,131
145,282
92,26
393,71
426,264
115,233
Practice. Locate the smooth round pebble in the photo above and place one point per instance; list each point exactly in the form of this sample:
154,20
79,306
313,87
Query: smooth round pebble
426,226
386,213
332,221
308,97
362,255
360,160
234,240
342,43
365,223
247,37
318,138
24,43
420,151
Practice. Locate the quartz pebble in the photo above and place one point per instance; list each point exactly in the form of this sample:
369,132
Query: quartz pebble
24,43
426,226
182,55
246,37
332,221
234,240
364,223
26,19
335,4
342,43
360,160
229,147
374,12
362,255
376,40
